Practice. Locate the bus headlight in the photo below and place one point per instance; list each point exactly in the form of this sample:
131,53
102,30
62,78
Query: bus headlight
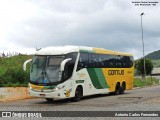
29,86
58,88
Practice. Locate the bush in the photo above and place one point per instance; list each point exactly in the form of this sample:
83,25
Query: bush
15,76
11,71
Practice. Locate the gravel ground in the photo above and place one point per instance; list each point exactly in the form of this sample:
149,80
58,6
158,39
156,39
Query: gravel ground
149,105
146,99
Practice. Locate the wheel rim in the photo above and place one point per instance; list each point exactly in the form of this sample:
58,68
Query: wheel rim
78,93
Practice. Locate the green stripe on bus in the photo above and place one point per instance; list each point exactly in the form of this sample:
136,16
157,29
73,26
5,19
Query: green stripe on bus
101,77
87,51
94,79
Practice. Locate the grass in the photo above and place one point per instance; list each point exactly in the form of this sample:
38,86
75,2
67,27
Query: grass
16,85
11,71
12,62
2,70
149,81
156,63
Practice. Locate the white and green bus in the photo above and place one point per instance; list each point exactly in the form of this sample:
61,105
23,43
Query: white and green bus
77,71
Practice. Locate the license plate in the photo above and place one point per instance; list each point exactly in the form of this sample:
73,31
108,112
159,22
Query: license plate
42,95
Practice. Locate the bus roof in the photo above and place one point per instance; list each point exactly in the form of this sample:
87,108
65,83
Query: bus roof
58,50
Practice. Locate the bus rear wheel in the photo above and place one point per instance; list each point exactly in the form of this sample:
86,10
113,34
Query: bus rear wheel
78,94
117,89
122,88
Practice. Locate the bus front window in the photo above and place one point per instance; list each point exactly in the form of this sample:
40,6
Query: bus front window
37,67
46,69
53,68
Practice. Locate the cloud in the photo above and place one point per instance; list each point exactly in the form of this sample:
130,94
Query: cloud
108,24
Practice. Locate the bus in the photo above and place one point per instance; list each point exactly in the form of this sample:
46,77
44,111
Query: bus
76,71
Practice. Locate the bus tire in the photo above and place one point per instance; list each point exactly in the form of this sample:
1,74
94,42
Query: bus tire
117,89
49,99
78,94
122,88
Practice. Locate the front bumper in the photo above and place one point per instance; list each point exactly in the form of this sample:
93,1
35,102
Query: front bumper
46,94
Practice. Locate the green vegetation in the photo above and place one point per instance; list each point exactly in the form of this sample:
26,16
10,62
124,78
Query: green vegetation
139,65
149,81
156,63
11,71
154,55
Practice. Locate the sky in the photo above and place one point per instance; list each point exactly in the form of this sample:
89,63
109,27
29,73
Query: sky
109,24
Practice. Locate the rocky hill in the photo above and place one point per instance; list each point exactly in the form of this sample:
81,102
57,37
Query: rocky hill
154,55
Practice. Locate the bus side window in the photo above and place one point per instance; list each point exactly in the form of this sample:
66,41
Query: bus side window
127,61
131,61
119,61
70,65
91,61
124,63
106,61
83,61
111,61
97,61
102,60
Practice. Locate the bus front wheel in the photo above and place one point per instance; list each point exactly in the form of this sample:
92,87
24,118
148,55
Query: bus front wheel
78,94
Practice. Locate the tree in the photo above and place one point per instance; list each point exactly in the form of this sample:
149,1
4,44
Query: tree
139,65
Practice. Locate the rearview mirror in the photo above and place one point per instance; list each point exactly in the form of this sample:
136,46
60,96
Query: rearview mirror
63,63
25,63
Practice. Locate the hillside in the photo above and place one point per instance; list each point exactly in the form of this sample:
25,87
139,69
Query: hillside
156,63
11,71
154,55
12,62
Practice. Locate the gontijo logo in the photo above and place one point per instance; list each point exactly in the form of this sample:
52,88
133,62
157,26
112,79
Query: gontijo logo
116,72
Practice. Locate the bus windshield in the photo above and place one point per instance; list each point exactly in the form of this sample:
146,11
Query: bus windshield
45,69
